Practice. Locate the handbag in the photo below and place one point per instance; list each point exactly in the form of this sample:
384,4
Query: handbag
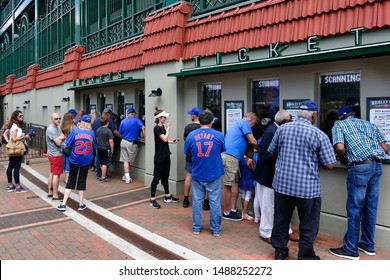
15,149
66,150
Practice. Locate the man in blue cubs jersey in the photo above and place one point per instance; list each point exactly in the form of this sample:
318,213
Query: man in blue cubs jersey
206,145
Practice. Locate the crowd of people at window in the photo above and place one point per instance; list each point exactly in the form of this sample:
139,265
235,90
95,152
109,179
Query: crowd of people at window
281,168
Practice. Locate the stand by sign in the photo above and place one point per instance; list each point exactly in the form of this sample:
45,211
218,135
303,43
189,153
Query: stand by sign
233,112
292,105
378,113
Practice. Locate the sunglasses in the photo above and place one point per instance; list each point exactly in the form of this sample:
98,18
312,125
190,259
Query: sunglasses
57,119
20,116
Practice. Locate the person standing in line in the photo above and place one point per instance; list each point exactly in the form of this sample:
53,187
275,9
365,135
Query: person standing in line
205,146
263,176
15,134
95,125
236,140
129,130
74,115
162,160
194,113
301,148
82,142
360,145
67,125
54,140
247,168
105,147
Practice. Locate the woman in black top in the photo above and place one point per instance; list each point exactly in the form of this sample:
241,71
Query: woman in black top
162,161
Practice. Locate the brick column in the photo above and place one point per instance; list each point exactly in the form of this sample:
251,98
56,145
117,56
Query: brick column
72,62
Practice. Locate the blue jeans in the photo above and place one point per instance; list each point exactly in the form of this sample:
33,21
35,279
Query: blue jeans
65,163
97,165
363,183
214,189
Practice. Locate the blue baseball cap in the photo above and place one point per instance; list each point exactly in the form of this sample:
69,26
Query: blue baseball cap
86,118
73,112
345,110
131,111
194,111
309,105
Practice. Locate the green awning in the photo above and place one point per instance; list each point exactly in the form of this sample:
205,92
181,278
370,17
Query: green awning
114,82
371,50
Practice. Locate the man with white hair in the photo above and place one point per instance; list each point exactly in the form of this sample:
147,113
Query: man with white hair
301,148
264,174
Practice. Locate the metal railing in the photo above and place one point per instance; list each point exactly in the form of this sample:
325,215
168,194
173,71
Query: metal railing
36,146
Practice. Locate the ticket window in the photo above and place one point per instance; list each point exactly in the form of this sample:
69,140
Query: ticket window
265,98
336,90
212,100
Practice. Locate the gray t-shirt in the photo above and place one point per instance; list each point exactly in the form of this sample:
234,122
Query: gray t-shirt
52,132
103,136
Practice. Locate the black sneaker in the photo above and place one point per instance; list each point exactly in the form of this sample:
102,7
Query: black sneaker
281,255
232,216
370,253
104,180
154,204
186,202
206,205
341,253
170,199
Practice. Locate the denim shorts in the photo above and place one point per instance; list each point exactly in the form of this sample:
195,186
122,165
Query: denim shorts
188,167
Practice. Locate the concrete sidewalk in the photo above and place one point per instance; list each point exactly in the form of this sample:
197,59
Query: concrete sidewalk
31,228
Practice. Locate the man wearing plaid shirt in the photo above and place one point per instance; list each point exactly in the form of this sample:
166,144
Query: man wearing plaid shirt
361,145
301,148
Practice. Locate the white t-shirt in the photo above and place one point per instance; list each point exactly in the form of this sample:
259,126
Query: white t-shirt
19,132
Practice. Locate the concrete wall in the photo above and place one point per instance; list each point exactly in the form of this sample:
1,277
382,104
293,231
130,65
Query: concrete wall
302,82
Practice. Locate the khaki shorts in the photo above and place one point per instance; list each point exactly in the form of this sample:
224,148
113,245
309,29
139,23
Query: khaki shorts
232,170
128,151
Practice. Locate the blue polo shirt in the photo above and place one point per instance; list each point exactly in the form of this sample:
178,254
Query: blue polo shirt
205,146
129,128
235,138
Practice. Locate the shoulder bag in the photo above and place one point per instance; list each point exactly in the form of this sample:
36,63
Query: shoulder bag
15,149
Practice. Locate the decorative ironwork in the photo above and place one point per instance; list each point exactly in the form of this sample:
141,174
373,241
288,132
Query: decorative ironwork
115,33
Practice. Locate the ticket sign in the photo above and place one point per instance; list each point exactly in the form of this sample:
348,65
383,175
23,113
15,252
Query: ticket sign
378,113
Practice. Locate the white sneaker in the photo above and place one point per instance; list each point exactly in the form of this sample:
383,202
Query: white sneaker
247,217
128,181
123,178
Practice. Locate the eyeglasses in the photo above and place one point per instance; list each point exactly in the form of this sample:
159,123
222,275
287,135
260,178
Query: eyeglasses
20,116
57,119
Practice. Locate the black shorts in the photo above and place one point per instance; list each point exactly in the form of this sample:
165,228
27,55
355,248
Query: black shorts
105,156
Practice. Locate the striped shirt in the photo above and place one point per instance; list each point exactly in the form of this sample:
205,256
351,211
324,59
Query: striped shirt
361,139
301,148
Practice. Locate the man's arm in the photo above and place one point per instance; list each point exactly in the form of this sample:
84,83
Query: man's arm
340,152
252,140
328,166
385,147
58,141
